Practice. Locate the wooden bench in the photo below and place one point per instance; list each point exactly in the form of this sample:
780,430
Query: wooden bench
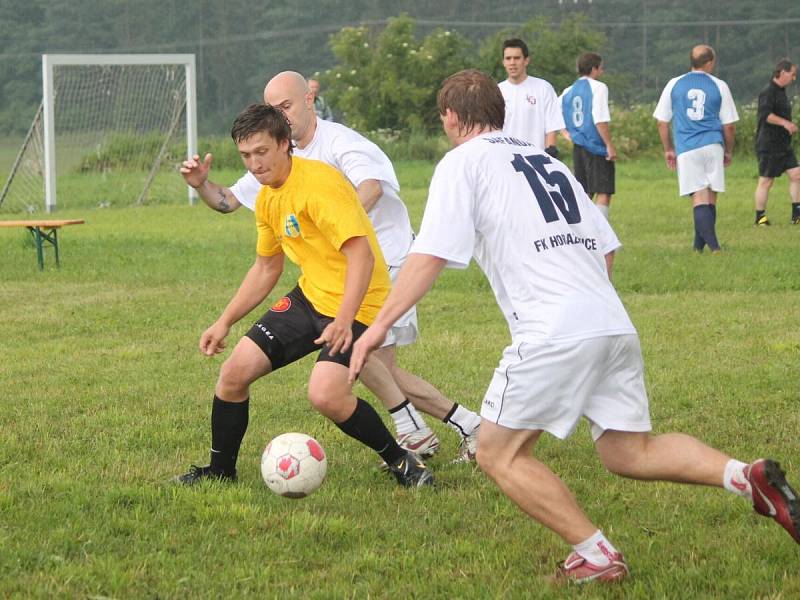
43,231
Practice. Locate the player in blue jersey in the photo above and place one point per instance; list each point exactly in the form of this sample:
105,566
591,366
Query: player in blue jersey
586,115
702,112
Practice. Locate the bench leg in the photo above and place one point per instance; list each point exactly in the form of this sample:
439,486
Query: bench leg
54,241
37,237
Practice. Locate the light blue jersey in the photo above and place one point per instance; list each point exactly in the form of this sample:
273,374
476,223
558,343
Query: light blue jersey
699,105
576,103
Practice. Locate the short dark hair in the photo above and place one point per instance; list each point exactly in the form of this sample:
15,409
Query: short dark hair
783,65
475,98
703,57
588,61
258,118
516,43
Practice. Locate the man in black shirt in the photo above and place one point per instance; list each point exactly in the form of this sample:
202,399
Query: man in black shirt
774,133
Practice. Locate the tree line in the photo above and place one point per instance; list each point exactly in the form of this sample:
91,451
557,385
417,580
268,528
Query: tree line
240,44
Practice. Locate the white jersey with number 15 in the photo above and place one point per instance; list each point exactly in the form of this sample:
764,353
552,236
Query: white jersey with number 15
533,231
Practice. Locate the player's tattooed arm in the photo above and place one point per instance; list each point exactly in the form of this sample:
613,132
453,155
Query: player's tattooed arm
218,197
222,205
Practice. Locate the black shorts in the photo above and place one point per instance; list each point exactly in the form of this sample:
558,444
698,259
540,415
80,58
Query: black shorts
773,165
593,172
286,332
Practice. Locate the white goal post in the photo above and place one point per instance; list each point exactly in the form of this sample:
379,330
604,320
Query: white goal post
50,62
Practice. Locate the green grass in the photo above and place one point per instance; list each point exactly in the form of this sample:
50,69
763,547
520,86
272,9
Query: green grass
106,397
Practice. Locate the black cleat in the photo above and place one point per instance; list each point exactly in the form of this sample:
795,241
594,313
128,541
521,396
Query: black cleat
199,474
410,471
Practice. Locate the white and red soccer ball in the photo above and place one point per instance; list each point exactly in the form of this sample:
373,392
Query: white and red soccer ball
293,465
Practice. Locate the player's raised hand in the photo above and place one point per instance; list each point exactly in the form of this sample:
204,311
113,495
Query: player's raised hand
195,171
213,339
370,340
337,336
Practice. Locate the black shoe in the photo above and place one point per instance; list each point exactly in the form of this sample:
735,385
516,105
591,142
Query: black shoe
198,474
410,471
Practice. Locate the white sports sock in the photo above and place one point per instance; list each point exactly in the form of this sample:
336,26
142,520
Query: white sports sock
463,420
735,481
406,418
603,209
596,549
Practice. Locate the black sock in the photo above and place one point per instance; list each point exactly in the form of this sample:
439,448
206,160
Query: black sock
366,426
795,210
228,426
704,221
698,243
759,214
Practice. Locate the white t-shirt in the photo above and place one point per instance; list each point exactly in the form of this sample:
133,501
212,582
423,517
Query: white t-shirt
495,198
532,110
359,160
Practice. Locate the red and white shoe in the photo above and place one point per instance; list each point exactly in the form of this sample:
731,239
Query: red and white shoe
773,496
422,442
577,569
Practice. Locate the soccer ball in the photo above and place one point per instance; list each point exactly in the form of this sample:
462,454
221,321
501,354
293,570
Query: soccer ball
293,465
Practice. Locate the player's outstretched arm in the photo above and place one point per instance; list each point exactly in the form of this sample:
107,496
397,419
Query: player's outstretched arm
255,286
338,335
415,279
218,197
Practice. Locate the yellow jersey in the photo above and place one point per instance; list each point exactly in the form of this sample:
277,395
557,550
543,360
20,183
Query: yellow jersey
309,217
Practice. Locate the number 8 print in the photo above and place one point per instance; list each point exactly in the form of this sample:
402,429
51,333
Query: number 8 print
577,111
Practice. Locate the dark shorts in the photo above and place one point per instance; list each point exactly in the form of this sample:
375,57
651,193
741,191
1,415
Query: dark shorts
773,165
286,332
593,172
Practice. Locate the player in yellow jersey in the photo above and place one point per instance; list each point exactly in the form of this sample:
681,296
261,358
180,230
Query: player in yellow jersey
309,212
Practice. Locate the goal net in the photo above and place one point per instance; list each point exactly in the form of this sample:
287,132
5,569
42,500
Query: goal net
110,132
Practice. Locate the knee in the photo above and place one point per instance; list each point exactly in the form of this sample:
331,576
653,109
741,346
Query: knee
765,184
233,376
327,400
489,461
620,453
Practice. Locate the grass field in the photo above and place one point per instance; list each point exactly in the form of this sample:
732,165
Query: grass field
106,397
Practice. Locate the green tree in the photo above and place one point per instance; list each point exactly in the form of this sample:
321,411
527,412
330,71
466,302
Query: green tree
389,80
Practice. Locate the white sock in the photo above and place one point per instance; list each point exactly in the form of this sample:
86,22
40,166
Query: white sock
735,481
603,209
406,418
596,549
463,420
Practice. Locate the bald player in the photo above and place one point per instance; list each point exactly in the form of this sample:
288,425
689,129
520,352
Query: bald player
371,173
703,114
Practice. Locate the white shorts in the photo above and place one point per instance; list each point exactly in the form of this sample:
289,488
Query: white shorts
405,329
701,168
551,386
